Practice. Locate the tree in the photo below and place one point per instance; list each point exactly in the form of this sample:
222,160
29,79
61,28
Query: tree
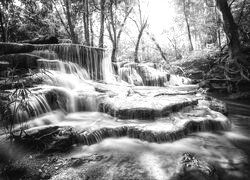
2,21
143,22
86,21
67,10
185,11
115,26
230,28
241,13
102,19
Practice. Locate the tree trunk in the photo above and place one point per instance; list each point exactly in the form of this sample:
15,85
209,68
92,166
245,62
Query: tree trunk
101,37
86,22
60,17
112,33
71,26
230,28
114,51
219,38
91,30
191,48
112,30
2,26
138,42
158,47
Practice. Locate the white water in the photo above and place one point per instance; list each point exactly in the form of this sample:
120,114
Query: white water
73,85
23,109
88,58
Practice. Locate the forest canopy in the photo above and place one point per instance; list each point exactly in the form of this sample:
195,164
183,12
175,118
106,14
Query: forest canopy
139,30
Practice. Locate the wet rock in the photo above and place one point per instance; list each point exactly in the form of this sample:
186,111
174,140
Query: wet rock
191,167
27,81
90,128
50,138
141,107
20,62
58,100
75,162
13,48
214,104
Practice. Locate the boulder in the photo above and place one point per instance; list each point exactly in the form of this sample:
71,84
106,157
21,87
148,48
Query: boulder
50,139
192,167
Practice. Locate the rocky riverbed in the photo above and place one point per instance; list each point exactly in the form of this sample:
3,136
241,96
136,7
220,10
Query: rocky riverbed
74,127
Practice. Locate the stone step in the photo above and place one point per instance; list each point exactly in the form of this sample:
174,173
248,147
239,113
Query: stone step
144,107
92,127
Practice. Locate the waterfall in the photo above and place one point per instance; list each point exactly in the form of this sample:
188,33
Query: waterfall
89,58
93,63
33,106
64,67
72,88
144,75
130,75
108,71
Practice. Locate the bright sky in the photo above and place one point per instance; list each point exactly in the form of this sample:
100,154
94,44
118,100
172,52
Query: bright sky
160,15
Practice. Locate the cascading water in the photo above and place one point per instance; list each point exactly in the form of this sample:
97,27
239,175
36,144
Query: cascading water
24,109
70,88
81,92
64,67
86,57
139,75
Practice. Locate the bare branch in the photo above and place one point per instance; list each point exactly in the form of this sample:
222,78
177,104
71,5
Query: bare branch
135,23
123,23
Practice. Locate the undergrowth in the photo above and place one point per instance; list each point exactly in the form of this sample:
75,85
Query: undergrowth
15,103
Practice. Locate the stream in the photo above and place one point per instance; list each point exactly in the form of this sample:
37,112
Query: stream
122,131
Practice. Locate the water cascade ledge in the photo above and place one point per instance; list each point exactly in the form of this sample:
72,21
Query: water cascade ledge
153,114
91,127
142,74
141,107
90,58
142,103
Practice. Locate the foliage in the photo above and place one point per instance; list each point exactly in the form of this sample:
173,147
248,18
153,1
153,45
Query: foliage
26,19
17,108
83,22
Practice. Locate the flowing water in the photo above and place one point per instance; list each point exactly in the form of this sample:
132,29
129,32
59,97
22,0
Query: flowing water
71,96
